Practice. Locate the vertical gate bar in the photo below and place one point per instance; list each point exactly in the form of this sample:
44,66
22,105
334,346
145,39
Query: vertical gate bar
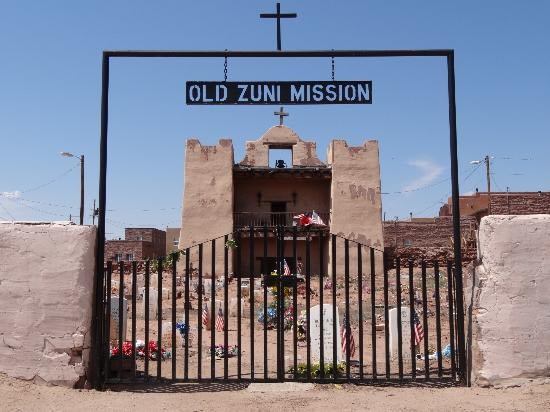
308,305
451,317
347,323
455,317
295,302
225,302
425,321
199,318
321,306
386,318
102,303
213,311
266,277
238,272
174,272
457,244
438,320
334,311
146,303
399,320
134,293
97,306
360,301
251,296
373,310
278,300
107,342
412,317
159,319
281,313
120,317
186,315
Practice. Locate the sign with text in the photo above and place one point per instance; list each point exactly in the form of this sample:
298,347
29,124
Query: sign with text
284,93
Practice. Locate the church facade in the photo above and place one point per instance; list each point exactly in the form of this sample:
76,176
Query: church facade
224,197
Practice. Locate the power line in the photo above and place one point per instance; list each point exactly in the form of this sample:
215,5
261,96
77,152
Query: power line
55,179
7,211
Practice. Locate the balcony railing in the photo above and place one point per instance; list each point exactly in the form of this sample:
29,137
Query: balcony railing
270,219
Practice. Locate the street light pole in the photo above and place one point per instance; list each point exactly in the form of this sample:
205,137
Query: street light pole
81,158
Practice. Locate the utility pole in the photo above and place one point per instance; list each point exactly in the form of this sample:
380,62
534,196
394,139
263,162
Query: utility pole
488,167
81,158
81,190
95,212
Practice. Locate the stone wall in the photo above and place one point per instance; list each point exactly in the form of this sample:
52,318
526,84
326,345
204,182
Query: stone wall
520,203
46,291
429,239
510,300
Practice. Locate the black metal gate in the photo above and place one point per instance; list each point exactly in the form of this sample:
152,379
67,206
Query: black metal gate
332,310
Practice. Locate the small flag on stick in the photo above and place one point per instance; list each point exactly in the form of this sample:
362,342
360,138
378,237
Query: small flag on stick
346,338
286,268
205,315
418,330
220,324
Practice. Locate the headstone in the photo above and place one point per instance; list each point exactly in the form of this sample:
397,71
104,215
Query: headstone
207,287
233,307
113,332
405,333
328,336
153,303
245,287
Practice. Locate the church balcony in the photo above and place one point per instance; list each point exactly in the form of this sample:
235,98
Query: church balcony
272,219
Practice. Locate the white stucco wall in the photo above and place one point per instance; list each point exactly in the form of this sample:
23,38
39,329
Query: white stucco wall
512,300
46,289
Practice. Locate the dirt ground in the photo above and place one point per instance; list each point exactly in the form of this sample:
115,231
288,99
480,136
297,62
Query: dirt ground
25,396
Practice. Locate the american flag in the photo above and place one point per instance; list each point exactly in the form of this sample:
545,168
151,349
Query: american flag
205,315
316,219
220,324
418,329
303,219
345,339
286,268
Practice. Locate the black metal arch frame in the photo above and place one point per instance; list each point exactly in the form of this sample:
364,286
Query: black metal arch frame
107,55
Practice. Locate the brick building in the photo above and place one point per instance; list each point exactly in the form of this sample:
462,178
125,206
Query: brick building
502,203
433,237
138,244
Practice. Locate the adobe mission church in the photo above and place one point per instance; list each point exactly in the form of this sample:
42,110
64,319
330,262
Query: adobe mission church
222,197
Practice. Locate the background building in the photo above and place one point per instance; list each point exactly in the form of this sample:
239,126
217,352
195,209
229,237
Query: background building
138,244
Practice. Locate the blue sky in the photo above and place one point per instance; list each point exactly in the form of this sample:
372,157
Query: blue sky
50,81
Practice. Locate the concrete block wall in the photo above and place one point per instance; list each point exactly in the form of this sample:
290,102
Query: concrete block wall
511,300
46,292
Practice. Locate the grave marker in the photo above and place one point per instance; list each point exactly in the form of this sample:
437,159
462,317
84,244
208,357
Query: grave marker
328,337
153,303
405,333
113,331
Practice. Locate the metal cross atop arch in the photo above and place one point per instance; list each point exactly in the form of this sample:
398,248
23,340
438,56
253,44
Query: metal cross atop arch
281,113
278,16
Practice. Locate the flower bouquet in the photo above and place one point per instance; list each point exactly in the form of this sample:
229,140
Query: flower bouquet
220,351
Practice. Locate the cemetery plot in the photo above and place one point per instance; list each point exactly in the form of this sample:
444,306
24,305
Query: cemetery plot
337,326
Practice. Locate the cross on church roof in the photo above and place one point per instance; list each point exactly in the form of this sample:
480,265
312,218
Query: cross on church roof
278,16
281,115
